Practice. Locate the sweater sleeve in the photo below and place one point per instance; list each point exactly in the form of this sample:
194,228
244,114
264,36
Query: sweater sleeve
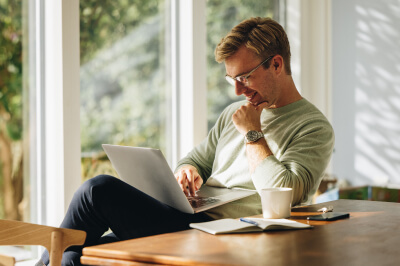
301,165
203,155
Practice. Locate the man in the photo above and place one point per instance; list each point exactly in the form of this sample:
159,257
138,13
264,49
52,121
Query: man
274,139
296,140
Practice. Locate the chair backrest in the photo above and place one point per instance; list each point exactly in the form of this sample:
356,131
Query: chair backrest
6,260
54,239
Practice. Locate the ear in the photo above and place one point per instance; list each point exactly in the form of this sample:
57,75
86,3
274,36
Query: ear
277,64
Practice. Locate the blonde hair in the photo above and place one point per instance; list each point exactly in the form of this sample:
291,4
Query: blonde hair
264,36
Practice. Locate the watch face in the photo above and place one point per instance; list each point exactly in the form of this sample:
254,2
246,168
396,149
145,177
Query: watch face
253,136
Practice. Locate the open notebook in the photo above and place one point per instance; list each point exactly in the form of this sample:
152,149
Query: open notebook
228,226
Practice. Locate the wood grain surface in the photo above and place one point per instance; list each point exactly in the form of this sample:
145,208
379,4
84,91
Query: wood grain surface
369,237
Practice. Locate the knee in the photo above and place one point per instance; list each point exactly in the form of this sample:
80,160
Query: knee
98,181
95,184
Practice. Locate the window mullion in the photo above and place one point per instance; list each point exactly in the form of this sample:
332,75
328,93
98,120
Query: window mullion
62,104
192,74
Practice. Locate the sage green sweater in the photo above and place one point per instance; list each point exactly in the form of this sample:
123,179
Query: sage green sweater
299,136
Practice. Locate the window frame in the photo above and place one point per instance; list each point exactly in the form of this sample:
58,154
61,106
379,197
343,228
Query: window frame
309,30
55,118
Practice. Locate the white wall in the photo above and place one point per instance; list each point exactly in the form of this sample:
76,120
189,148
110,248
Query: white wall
366,91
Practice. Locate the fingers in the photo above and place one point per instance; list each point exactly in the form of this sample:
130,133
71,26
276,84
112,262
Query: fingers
247,117
261,106
258,107
192,188
194,181
182,181
253,109
189,180
197,183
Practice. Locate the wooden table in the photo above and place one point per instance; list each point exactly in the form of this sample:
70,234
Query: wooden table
371,236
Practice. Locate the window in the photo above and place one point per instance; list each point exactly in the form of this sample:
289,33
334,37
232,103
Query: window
15,176
123,76
13,200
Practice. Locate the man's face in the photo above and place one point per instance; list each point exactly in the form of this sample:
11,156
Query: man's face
261,86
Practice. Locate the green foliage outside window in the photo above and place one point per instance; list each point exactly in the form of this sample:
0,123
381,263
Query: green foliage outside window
11,162
123,78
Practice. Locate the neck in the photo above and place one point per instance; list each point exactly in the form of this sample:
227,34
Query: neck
290,94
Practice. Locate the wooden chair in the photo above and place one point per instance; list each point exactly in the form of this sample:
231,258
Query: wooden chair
6,260
54,239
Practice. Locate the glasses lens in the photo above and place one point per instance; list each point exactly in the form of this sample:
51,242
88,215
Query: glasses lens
230,80
242,80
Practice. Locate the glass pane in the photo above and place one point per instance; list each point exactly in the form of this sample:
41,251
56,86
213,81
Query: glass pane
13,204
14,150
221,17
124,91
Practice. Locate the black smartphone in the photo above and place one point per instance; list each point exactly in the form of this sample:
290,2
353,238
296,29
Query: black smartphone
329,216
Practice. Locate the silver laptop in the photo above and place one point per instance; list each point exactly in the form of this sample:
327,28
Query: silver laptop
147,170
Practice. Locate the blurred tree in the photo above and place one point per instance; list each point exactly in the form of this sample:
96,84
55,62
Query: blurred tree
103,22
11,163
123,86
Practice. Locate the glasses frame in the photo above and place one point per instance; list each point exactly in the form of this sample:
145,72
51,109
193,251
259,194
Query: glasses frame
244,79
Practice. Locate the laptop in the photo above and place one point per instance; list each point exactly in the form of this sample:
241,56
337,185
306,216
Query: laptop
147,170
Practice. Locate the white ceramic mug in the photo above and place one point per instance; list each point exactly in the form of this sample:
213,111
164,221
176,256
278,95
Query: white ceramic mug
276,202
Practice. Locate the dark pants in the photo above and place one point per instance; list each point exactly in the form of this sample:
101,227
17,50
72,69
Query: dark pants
105,202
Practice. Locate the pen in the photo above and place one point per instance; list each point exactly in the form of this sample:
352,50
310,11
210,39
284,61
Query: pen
248,221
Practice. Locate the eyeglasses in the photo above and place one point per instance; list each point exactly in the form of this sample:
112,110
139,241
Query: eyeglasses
244,79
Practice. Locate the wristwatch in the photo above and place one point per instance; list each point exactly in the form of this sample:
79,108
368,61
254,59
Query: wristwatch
253,136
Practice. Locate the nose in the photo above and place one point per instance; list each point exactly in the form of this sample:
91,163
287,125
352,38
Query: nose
239,88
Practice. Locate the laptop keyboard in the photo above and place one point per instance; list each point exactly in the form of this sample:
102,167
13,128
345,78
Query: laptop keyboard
197,202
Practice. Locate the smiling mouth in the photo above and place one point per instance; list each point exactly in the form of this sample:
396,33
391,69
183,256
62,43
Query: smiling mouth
250,97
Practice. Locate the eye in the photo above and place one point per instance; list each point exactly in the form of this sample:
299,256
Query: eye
242,79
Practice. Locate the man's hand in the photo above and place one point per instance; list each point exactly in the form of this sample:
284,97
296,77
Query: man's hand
189,179
247,117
